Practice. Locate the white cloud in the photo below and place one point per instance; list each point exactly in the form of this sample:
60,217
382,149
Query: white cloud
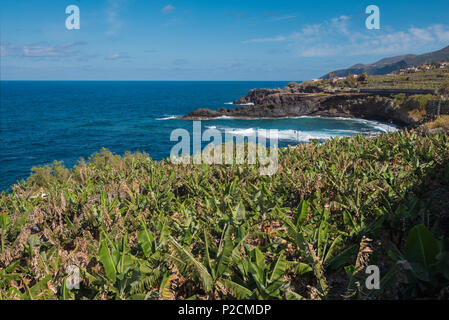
311,29
39,50
283,17
116,56
168,8
442,32
336,37
340,24
112,13
421,34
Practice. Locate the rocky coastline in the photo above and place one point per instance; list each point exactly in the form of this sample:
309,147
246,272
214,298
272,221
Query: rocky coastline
294,101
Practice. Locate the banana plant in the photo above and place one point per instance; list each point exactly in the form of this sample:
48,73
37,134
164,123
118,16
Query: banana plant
425,261
315,245
214,272
38,291
9,274
153,247
5,223
119,264
266,281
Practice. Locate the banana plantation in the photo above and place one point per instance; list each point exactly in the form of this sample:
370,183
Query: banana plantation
135,228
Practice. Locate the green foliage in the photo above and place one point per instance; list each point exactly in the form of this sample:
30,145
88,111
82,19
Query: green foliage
351,81
141,229
431,80
425,263
400,99
422,100
441,122
421,247
43,176
5,223
363,77
415,104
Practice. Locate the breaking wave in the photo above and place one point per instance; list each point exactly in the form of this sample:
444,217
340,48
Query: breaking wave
167,118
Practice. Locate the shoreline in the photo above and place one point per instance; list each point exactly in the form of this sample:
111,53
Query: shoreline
391,126
335,117
269,104
364,98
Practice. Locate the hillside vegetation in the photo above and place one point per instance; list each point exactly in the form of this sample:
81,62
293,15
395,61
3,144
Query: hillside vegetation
434,79
142,229
431,80
439,123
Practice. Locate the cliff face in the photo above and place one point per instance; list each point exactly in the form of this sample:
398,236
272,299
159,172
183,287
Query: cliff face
277,103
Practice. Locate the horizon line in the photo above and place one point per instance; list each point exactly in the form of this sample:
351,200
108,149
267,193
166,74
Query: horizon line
115,80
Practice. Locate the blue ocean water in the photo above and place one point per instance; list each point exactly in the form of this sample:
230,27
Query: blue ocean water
43,121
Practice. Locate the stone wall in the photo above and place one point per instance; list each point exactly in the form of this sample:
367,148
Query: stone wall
388,92
437,108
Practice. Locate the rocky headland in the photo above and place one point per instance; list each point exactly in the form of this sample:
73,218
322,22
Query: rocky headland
407,97
309,100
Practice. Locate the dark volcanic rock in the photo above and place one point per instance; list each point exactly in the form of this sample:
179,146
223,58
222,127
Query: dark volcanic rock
257,96
277,103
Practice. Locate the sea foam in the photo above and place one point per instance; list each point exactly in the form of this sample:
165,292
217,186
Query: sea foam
167,118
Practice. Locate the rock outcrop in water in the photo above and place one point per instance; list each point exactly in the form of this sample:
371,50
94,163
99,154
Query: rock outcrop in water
309,101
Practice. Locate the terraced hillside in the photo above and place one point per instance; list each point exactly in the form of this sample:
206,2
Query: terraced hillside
431,80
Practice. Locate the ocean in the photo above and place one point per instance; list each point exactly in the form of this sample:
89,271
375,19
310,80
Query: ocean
43,121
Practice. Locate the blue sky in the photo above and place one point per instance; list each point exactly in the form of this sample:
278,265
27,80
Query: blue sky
209,40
